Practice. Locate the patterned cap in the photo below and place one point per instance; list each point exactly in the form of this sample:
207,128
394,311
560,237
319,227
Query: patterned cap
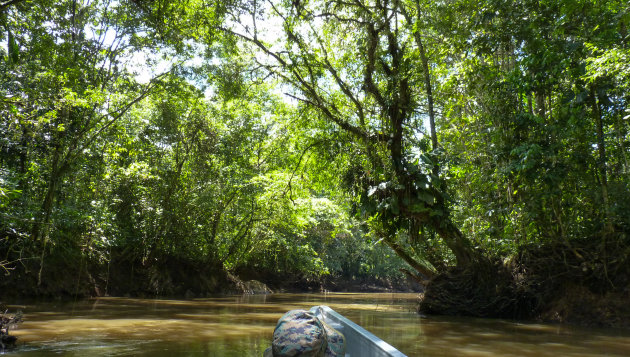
300,333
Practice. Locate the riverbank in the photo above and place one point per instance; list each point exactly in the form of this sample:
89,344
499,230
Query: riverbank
588,288
168,277
583,282
579,306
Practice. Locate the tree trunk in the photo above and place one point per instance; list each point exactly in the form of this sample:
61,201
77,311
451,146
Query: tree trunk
456,241
40,228
540,104
601,162
530,105
428,273
427,84
428,89
622,145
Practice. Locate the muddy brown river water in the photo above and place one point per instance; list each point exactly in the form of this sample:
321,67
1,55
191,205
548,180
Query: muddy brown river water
243,325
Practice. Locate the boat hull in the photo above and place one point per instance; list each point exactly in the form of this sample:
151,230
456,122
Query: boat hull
359,341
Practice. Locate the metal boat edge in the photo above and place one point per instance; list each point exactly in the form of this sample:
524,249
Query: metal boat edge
359,341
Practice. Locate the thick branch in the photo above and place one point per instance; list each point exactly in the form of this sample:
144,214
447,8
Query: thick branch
427,75
243,232
370,85
124,110
409,260
341,123
342,19
216,220
415,277
456,242
9,3
310,88
297,166
345,88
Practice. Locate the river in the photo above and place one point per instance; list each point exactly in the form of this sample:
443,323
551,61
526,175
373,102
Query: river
243,325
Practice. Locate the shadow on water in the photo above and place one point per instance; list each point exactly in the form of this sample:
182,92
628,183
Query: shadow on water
243,325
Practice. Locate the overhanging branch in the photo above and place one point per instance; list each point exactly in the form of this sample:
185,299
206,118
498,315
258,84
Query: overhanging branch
309,89
9,3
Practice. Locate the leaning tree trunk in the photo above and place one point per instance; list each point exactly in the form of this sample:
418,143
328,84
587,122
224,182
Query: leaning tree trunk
457,243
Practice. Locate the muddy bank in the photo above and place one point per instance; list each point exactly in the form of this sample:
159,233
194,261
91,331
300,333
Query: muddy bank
63,276
580,306
330,282
584,282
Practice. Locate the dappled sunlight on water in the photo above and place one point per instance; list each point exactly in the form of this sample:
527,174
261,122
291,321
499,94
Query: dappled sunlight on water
243,325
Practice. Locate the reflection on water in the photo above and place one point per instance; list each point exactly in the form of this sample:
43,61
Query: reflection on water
243,325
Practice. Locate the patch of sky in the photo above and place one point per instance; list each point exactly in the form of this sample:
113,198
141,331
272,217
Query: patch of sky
4,46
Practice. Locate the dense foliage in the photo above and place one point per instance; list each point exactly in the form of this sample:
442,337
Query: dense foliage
301,139
125,149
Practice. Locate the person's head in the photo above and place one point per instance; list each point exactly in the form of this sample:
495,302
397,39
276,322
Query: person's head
301,333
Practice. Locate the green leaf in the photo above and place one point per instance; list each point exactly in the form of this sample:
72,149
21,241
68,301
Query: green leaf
394,207
426,197
418,208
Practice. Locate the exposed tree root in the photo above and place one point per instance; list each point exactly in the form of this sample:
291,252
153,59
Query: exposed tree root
7,321
582,281
485,289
